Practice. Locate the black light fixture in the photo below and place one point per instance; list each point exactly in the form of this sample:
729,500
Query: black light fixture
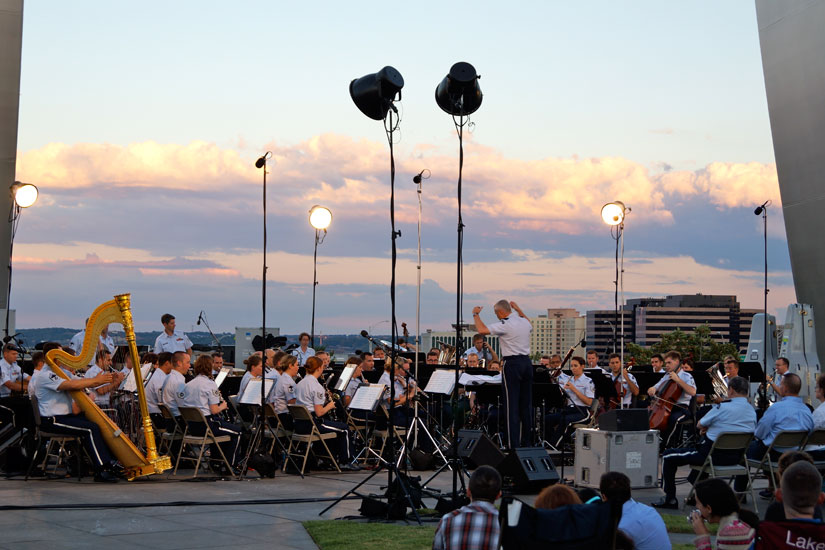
374,93
459,93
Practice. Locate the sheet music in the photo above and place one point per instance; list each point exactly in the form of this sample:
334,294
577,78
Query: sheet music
129,383
477,379
367,397
442,381
252,393
346,376
224,372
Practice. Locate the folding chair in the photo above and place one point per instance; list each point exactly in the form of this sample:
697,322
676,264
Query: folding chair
167,437
400,432
54,438
728,441
817,439
300,414
785,441
193,415
592,418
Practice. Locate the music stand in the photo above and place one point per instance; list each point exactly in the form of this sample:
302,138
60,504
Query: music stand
252,393
222,374
344,378
440,382
367,398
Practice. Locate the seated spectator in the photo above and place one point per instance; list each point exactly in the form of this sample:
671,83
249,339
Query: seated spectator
556,496
717,503
641,523
776,511
588,495
800,492
475,526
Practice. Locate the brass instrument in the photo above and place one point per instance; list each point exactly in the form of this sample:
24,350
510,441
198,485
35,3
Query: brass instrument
447,355
135,464
718,381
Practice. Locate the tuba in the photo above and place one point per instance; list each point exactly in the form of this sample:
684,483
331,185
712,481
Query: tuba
447,355
717,380
135,463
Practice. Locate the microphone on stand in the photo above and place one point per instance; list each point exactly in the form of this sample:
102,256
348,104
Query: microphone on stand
417,179
760,208
262,160
200,316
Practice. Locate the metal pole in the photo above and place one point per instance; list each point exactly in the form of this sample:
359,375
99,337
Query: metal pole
314,284
418,291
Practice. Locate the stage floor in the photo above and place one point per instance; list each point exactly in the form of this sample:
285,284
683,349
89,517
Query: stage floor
240,517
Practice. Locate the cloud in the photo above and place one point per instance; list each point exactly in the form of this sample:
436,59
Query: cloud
726,184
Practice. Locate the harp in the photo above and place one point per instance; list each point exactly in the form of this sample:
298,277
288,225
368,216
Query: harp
134,462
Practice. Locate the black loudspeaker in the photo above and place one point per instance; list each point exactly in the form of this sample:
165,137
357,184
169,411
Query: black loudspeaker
624,420
477,449
530,469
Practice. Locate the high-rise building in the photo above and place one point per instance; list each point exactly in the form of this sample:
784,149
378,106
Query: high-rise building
557,331
647,319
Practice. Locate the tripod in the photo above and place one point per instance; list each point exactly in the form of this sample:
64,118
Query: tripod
418,424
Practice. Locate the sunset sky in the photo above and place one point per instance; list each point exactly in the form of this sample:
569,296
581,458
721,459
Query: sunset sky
141,123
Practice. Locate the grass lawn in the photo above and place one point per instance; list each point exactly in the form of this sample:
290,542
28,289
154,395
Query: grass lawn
346,535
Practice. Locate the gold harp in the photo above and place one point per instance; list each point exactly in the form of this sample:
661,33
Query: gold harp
134,462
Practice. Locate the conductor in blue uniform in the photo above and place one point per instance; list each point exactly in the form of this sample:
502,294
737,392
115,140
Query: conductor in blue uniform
513,333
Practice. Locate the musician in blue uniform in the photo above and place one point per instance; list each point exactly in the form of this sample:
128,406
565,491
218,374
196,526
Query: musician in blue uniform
788,414
733,415
284,392
202,392
630,388
400,413
254,368
173,386
312,395
303,352
60,414
103,363
154,388
677,375
580,392
513,333
171,340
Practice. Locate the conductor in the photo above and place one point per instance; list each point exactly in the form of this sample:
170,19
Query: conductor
517,380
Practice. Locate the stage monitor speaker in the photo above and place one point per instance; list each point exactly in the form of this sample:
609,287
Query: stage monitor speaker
477,449
625,420
530,469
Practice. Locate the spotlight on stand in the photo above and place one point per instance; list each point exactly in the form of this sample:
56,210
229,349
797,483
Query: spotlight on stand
24,194
320,217
374,93
459,93
613,213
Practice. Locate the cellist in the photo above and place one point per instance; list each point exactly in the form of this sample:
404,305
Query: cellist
675,374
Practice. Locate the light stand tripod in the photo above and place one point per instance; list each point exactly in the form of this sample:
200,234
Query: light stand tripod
763,389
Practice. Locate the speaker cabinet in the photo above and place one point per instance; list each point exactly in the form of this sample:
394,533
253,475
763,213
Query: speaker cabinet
530,469
477,449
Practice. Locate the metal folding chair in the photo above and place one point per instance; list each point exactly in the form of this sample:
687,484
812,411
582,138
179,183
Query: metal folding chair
728,441
300,414
791,440
54,439
193,415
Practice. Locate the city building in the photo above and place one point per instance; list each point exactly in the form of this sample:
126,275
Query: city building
647,319
557,331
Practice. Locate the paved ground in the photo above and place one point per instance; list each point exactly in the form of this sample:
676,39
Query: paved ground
244,514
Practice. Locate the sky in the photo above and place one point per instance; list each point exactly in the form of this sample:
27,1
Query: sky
141,123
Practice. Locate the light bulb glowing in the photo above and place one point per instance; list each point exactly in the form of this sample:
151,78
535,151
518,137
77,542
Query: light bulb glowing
613,213
25,194
320,217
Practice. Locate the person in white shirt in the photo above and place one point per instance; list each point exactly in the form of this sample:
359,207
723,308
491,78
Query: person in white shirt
284,393
172,389
630,388
818,453
513,333
202,393
580,392
103,363
13,378
400,413
311,394
171,340
254,368
481,348
38,360
303,352
674,373
217,363
154,388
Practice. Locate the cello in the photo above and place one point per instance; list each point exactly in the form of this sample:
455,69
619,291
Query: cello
661,408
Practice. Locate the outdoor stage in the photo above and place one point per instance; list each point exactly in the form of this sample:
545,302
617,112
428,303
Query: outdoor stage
235,520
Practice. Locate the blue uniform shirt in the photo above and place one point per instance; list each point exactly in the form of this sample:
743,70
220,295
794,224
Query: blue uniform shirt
789,414
172,391
736,415
178,341
644,526
201,392
50,400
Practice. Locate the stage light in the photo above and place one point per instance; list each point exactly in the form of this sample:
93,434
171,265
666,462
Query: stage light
613,213
459,94
374,93
25,194
320,217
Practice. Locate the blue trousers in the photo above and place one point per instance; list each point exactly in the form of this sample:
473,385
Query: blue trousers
517,385
88,431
